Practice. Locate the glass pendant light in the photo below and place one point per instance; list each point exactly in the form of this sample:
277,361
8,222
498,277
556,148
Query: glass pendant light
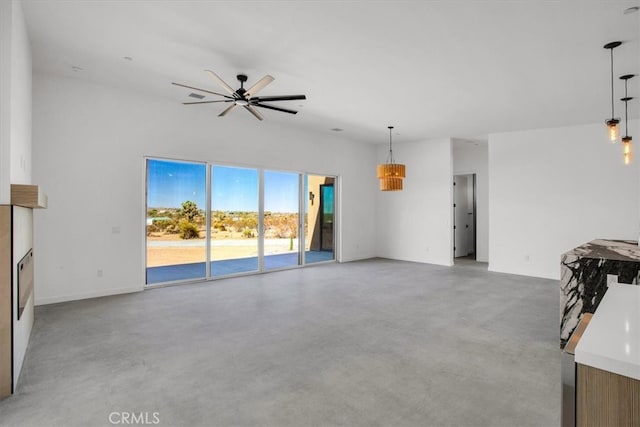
612,123
626,139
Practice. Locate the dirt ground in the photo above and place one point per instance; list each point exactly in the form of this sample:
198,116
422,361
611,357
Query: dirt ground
172,255
215,235
157,256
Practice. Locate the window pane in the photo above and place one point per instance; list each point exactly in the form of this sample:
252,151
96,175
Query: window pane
176,197
234,220
281,208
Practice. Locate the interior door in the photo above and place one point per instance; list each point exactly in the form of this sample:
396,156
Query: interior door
461,209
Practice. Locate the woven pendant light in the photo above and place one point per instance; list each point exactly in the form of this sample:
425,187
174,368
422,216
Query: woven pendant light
391,173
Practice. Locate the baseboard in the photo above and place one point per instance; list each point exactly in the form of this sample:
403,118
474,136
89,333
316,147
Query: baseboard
522,273
87,295
419,261
357,258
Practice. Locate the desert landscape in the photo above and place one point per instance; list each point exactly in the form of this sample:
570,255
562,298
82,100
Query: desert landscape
177,235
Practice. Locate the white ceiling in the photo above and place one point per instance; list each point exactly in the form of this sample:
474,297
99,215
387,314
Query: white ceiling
430,68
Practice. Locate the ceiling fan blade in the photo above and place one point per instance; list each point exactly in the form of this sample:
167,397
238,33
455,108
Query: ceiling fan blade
222,83
258,86
231,107
279,98
255,112
271,107
206,102
201,90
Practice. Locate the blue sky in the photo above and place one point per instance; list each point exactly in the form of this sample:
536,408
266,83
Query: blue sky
171,183
233,189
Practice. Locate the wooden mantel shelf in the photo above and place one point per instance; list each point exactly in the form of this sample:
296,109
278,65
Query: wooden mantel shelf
28,196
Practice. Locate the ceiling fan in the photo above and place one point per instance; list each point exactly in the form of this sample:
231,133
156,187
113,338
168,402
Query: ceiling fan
244,97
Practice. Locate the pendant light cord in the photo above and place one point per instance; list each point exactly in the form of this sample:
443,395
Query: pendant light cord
612,112
626,122
390,156
626,112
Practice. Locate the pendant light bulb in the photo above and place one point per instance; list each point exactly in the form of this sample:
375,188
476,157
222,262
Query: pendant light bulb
627,149
613,130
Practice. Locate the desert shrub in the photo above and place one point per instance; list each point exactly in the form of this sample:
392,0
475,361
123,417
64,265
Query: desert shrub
248,233
189,211
151,229
172,228
189,230
247,221
162,224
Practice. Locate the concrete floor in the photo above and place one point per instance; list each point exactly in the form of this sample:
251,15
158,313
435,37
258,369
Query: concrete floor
369,343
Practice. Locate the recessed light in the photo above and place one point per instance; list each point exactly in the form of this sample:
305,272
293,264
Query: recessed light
337,129
632,9
128,58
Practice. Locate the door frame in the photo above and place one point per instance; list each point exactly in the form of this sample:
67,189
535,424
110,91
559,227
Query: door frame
474,180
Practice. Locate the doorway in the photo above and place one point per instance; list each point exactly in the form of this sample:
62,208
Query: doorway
464,216
319,218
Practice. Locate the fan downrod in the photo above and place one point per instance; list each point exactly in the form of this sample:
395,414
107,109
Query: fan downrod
241,78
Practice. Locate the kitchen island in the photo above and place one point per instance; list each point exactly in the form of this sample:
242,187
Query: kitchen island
585,274
608,362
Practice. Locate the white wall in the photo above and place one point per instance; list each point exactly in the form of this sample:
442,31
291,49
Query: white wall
473,157
6,18
553,189
20,100
89,145
416,224
15,100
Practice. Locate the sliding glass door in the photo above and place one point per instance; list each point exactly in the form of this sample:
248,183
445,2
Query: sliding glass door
281,219
319,218
234,220
207,221
175,221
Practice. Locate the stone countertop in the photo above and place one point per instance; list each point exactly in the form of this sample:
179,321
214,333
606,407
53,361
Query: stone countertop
618,250
611,342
